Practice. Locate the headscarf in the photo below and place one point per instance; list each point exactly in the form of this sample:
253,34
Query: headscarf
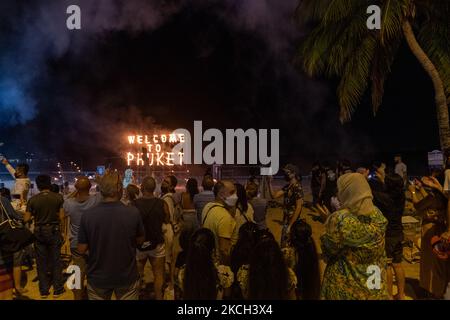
354,193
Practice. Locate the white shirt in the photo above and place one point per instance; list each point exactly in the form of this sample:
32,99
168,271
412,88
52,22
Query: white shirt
21,185
400,169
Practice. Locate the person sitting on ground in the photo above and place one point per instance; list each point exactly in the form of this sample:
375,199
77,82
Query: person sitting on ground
353,242
111,232
243,211
154,214
217,216
267,277
74,208
259,204
201,277
188,206
204,197
301,256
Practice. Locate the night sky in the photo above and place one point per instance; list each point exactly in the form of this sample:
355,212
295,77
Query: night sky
140,64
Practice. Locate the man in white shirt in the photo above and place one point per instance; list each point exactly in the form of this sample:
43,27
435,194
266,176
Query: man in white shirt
21,186
401,168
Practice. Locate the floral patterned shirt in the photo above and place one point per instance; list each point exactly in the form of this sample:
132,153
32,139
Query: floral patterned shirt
243,276
354,249
292,193
224,274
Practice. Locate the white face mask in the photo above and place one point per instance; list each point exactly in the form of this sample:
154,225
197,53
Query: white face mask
231,200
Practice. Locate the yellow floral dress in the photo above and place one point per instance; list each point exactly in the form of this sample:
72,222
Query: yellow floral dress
224,274
353,247
243,277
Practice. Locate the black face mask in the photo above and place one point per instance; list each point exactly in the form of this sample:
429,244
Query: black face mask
287,177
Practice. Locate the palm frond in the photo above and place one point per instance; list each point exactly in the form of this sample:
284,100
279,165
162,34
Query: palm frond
434,37
383,59
309,11
339,10
355,77
393,13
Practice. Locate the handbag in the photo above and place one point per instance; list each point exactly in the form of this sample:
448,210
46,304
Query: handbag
14,236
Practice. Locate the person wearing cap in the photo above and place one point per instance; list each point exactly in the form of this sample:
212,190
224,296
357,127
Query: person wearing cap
292,195
110,233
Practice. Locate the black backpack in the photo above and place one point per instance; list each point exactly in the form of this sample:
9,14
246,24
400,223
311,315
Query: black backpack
14,236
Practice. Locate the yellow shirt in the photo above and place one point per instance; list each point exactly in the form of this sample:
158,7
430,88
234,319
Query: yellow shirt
220,222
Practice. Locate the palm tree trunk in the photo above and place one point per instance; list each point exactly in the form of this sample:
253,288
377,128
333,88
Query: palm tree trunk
441,99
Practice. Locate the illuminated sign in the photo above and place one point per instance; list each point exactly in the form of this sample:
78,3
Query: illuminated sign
154,150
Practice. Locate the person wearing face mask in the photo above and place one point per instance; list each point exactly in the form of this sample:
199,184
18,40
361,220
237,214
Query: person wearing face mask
217,217
292,195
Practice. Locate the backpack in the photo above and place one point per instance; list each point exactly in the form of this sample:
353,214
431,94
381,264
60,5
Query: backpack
14,236
177,218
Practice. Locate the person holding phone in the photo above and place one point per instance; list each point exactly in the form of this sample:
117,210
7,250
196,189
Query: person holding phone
431,203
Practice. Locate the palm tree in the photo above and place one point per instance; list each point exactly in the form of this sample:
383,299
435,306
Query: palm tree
341,45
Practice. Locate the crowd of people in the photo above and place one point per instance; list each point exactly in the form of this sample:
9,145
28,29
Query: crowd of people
212,242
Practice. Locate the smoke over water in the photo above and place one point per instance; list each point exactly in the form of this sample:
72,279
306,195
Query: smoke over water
153,65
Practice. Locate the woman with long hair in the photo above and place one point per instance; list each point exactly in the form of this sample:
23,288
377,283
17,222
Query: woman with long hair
243,209
201,278
248,237
301,256
267,276
187,204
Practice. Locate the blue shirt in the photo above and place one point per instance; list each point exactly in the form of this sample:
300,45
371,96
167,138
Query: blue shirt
75,210
110,230
201,199
260,210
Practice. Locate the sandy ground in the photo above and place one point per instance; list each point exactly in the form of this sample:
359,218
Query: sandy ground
274,218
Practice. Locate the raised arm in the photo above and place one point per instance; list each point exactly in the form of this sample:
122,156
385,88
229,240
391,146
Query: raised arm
9,167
